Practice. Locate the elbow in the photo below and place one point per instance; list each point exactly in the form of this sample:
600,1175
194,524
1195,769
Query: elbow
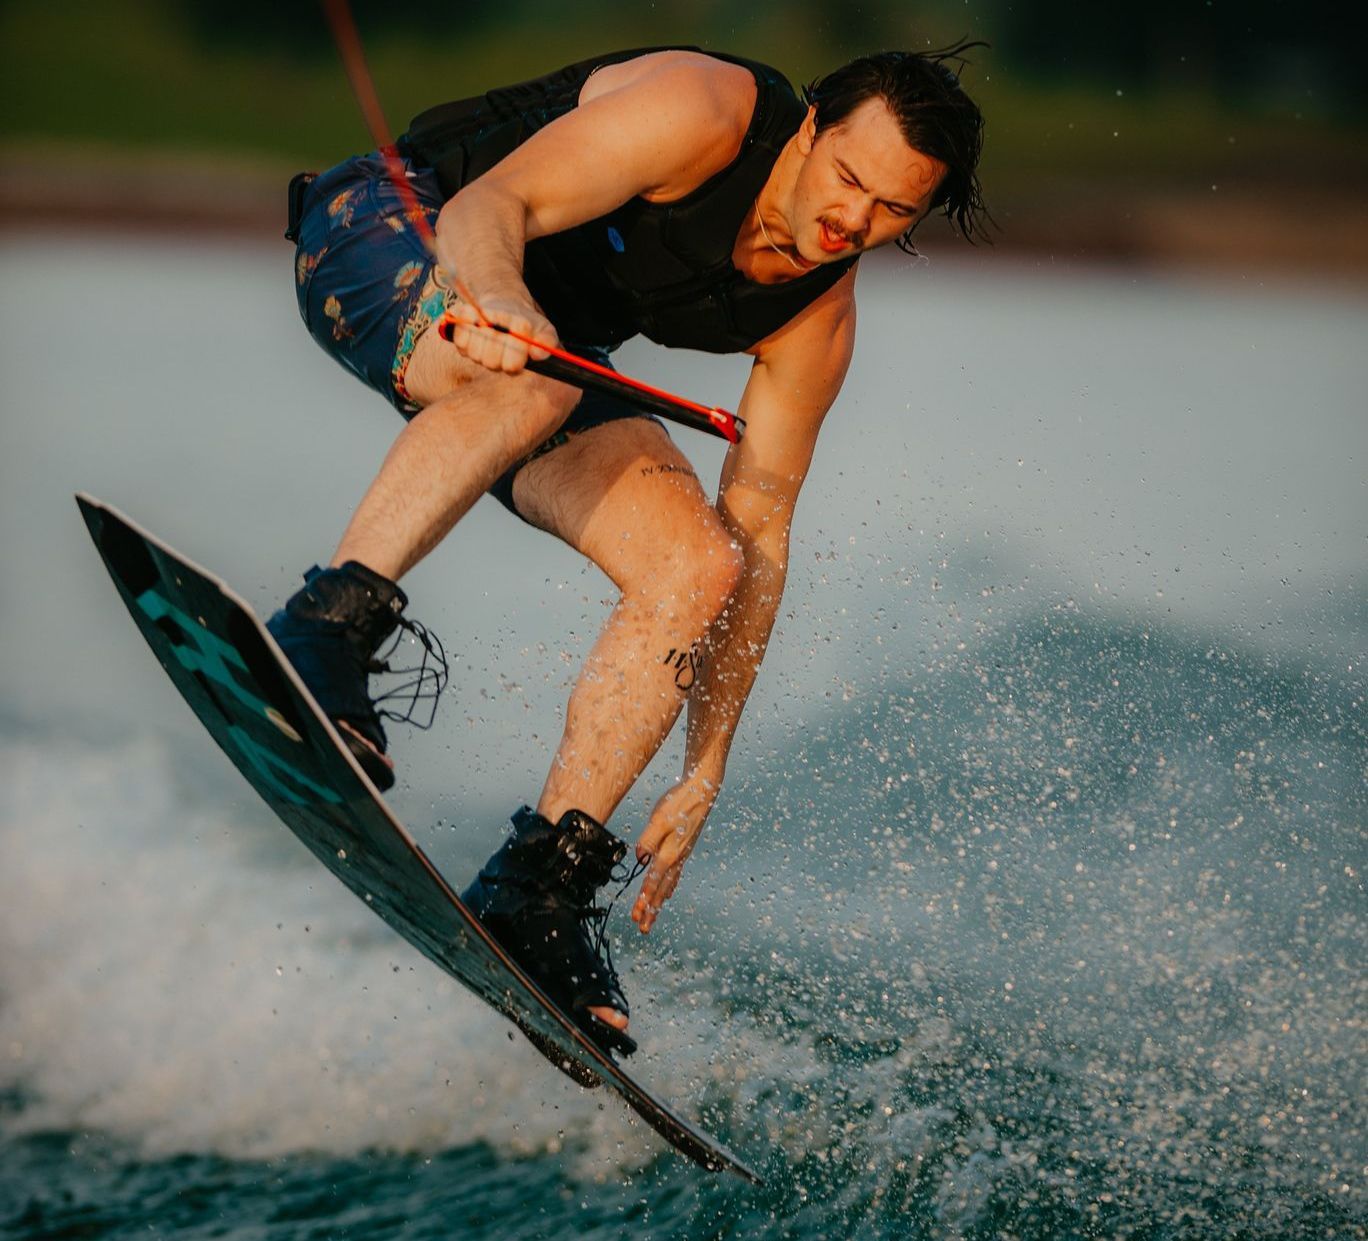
760,525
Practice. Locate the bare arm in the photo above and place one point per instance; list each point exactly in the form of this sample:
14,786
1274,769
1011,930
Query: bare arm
793,383
675,119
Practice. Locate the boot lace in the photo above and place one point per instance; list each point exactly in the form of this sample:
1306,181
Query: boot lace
423,683
595,916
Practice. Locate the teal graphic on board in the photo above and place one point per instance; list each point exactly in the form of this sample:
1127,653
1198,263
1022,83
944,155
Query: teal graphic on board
210,655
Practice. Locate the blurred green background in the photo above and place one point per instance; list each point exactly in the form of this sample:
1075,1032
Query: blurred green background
1109,127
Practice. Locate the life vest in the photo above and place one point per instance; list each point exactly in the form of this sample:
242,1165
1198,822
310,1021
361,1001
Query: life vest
663,270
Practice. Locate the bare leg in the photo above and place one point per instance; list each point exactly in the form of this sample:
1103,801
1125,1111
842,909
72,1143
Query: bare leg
627,498
476,425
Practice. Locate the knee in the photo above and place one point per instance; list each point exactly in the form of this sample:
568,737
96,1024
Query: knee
518,411
535,405
551,398
709,570
726,567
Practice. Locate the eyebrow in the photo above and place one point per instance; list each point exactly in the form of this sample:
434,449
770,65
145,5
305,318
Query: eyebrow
910,208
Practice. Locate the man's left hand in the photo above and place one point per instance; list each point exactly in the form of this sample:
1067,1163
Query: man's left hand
668,839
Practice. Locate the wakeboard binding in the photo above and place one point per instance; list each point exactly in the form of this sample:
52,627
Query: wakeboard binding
331,630
537,897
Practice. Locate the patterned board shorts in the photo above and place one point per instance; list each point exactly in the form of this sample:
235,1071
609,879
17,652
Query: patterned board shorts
368,289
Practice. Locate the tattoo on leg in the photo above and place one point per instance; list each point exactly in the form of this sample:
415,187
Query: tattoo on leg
687,665
665,468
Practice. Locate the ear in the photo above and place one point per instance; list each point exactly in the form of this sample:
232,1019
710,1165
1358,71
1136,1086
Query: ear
807,131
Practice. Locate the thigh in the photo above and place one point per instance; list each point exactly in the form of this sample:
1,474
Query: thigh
426,367
624,495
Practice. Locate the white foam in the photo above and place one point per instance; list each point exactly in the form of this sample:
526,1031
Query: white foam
196,983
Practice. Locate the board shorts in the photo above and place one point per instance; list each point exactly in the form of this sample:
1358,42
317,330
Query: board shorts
368,289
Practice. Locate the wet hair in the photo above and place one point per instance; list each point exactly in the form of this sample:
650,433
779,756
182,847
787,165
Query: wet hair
936,117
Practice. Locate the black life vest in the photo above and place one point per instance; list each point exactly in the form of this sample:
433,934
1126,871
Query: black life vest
663,270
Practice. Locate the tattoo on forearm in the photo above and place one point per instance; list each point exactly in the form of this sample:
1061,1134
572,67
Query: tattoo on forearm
687,664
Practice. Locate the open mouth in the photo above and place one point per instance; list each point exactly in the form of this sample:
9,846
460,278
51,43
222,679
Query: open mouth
832,242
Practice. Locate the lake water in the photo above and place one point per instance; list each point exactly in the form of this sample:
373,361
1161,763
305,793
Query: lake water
1033,906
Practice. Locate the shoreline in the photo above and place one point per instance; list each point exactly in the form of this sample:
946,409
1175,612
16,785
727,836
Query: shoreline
1216,229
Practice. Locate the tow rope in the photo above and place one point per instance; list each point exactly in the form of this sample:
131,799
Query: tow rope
561,365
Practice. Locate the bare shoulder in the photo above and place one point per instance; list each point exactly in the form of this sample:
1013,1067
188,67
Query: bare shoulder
710,103
725,86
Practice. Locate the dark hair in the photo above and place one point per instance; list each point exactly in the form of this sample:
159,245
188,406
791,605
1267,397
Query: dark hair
935,115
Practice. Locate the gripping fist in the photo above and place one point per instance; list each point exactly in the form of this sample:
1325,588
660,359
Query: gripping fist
487,341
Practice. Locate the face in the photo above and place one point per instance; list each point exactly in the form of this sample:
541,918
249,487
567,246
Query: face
860,185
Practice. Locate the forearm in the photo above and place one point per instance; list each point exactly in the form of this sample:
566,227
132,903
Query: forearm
481,235
732,654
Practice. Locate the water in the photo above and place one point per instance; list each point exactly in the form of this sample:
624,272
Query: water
1033,906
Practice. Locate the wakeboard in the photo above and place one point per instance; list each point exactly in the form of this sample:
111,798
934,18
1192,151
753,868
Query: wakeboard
235,679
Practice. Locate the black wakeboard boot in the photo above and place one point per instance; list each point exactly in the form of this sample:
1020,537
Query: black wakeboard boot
330,631
536,897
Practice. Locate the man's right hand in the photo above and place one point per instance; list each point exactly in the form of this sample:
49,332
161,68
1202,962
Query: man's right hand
474,336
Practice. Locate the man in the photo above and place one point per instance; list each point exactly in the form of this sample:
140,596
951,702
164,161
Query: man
686,196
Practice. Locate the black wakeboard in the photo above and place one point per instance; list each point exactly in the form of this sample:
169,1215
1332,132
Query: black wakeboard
230,671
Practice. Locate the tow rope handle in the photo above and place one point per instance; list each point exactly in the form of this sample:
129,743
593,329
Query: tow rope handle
591,376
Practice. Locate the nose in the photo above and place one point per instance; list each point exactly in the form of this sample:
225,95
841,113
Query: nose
856,217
